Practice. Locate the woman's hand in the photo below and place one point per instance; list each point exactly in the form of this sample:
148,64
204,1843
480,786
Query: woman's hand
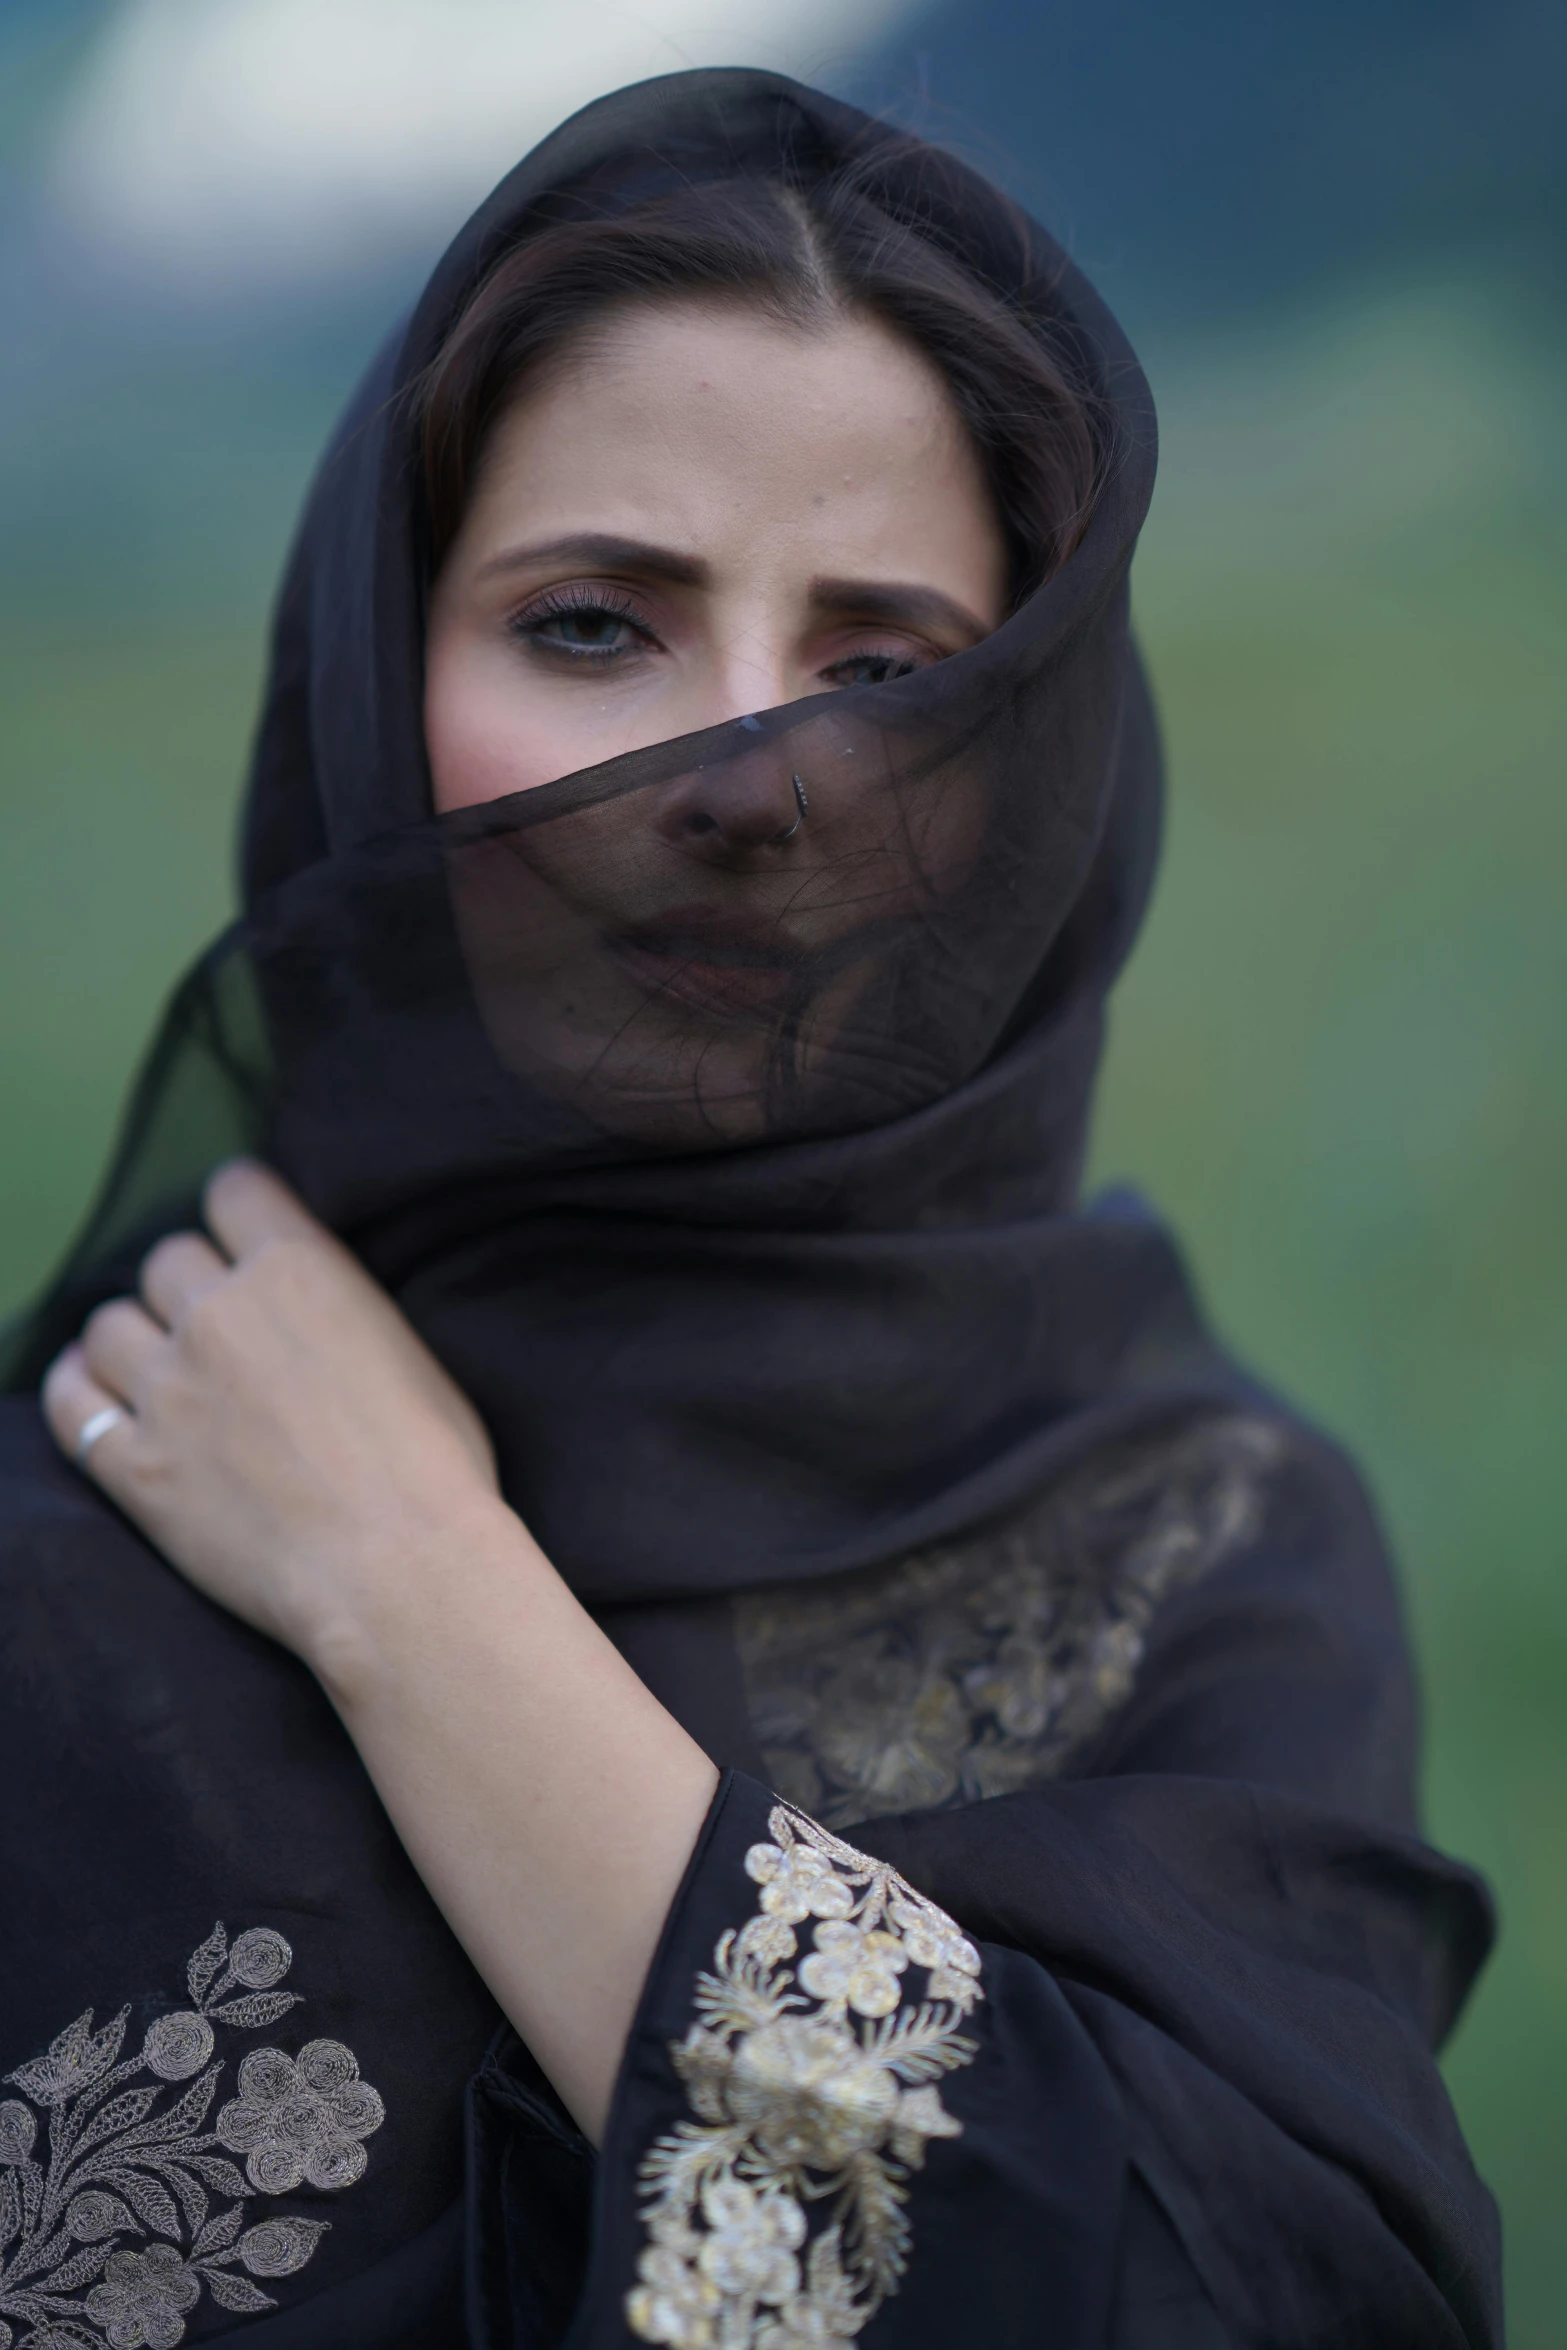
290,1444
294,1449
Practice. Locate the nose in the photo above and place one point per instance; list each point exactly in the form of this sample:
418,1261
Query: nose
735,811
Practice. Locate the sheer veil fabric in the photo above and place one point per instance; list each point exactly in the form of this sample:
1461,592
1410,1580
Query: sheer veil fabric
736,1186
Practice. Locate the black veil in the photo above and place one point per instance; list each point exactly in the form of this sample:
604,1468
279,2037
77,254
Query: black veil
733,1175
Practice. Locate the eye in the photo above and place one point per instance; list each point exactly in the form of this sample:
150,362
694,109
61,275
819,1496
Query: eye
872,667
587,624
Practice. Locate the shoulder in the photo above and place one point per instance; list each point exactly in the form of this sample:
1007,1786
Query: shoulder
1170,1583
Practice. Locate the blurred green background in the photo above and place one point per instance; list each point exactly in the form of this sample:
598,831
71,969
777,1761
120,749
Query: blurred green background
1336,1060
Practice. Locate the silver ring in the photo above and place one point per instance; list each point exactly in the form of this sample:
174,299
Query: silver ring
101,1422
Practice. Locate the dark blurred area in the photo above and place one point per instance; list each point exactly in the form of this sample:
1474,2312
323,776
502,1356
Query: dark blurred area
1224,155
1337,235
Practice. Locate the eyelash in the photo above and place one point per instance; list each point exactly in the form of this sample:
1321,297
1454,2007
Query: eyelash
565,603
897,664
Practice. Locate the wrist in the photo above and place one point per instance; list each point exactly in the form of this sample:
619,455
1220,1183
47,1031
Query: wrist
388,1594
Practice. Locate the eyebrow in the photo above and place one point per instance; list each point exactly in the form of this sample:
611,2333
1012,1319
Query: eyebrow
895,603
603,551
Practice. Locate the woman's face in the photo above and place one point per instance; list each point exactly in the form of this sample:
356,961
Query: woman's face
704,515
704,512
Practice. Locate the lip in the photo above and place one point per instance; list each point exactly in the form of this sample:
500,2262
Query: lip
728,964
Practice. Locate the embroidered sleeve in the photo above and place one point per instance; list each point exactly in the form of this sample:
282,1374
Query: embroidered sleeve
776,2215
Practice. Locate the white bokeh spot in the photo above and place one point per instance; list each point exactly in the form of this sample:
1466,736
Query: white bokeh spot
221,142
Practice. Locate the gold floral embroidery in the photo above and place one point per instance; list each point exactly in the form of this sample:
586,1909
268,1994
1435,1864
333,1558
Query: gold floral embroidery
813,2090
979,1667
112,2166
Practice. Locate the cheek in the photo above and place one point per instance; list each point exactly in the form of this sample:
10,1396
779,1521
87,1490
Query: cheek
486,734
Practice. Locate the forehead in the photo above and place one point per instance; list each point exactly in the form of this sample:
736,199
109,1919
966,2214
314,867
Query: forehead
711,414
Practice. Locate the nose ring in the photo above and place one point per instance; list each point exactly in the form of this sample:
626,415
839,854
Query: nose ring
803,804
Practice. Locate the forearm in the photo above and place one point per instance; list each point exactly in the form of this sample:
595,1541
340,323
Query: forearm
283,1437
546,1798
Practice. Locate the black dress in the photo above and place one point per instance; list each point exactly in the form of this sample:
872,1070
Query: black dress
1060,1961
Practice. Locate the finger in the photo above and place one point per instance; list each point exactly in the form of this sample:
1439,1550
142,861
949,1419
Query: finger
120,1346
246,1206
178,1272
72,1399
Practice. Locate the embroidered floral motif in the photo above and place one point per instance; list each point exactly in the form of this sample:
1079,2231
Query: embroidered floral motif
112,2164
144,2298
301,2120
976,1668
820,2097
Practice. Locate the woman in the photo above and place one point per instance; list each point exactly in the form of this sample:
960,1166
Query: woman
661,1406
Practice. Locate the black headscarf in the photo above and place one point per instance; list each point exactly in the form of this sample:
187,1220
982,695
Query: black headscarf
756,1274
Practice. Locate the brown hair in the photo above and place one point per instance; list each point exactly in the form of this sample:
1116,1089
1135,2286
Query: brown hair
807,255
